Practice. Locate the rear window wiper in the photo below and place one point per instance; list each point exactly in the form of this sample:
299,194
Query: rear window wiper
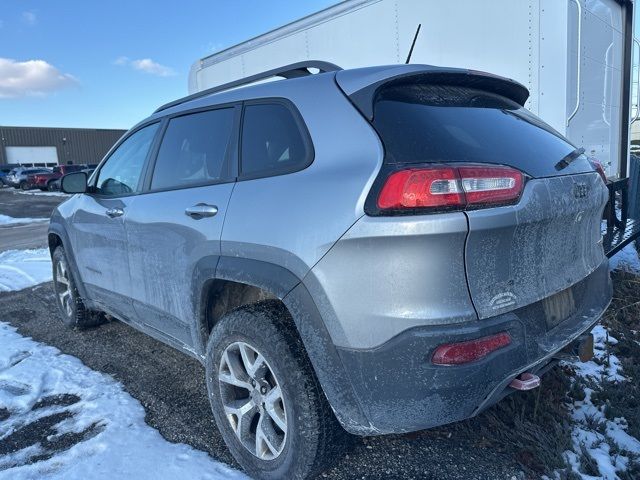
567,159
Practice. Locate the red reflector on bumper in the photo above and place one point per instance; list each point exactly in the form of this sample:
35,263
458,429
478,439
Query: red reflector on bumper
469,351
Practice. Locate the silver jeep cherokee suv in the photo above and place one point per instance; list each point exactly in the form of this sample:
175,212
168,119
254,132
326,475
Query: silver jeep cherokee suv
372,251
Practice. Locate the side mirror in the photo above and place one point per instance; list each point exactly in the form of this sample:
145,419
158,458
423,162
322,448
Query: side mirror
75,182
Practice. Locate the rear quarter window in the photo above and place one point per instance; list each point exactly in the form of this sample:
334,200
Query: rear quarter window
274,141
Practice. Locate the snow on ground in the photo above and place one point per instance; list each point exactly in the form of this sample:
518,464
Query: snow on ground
24,268
626,259
7,220
606,366
61,420
593,433
95,429
40,192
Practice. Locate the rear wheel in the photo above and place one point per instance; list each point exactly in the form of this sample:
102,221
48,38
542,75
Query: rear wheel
51,186
23,186
268,404
72,309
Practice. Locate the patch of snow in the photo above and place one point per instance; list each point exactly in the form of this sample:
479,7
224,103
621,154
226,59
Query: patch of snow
605,365
592,430
7,220
24,268
626,259
41,193
597,443
111,439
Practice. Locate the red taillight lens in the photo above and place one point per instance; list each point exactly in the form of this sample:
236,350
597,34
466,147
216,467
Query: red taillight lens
470,351
451,187
600,169
426,187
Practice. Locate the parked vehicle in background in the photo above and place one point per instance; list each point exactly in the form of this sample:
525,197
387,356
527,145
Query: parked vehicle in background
43,181
4,171
18,177
54,185
369,250
10,177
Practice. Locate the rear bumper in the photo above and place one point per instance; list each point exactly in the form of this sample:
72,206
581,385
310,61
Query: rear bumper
400,390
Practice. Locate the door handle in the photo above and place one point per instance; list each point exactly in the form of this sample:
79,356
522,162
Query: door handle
201,210
115,212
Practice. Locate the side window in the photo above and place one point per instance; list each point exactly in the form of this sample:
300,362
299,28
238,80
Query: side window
194,149
120,175
271,141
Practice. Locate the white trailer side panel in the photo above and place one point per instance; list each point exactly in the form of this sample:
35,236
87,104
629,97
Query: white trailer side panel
534,42
497,36
379,32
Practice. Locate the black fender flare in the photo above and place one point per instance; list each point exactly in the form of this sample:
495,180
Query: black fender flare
286,286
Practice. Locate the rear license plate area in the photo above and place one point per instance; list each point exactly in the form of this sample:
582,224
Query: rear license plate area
558,307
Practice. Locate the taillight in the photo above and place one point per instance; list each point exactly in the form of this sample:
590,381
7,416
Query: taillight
600,169
419,188
469,351
445,187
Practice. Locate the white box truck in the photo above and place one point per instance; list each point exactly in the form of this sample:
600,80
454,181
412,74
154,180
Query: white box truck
574,56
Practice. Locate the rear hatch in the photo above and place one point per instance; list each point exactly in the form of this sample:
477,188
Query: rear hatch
517,254
546,243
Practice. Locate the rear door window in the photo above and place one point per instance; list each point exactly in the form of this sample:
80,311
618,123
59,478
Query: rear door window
272,141
194,150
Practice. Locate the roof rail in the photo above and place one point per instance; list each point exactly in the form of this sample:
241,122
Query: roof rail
294,70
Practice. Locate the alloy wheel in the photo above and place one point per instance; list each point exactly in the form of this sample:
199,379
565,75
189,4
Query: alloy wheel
63,287
253,401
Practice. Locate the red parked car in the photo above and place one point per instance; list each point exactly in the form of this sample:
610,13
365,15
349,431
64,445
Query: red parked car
43,181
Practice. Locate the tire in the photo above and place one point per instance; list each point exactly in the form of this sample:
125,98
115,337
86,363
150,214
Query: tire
72,310
24,185
42,189
51,187
312,437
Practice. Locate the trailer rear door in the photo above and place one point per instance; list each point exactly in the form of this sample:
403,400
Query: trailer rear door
595,79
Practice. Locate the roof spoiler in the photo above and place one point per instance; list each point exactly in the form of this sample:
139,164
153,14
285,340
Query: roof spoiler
363,96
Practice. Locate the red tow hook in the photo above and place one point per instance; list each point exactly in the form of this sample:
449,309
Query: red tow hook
525,381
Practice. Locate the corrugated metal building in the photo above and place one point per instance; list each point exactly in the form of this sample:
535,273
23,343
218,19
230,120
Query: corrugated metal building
55,146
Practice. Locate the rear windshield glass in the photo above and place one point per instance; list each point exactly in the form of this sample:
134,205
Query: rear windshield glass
421,123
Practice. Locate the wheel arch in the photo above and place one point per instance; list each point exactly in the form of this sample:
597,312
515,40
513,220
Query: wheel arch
264,280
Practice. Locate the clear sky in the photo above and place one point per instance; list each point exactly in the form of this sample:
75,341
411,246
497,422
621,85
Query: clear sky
108,64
